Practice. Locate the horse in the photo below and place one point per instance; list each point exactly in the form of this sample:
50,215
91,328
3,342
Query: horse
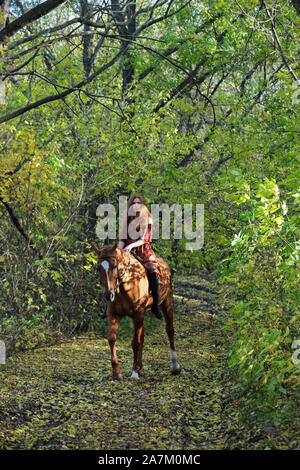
125,282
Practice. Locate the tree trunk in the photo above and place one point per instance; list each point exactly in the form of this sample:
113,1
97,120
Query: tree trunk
86,10
4,4
4,12
128,69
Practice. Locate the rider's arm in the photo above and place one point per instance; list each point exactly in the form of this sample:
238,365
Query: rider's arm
139,242
143,237
135,244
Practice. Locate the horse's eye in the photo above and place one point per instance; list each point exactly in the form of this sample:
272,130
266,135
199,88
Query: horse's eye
114,266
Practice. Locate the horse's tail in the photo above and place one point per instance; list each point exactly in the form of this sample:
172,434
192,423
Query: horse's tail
172,271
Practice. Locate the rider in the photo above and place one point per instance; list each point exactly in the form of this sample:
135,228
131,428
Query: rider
137,238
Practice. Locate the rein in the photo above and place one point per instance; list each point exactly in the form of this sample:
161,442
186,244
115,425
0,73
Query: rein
138,258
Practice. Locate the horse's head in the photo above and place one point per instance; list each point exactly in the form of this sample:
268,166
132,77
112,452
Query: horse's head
111,264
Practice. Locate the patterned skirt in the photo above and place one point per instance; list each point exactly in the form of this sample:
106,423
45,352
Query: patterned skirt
147,256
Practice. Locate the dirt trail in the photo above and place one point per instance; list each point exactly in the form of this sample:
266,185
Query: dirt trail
63,397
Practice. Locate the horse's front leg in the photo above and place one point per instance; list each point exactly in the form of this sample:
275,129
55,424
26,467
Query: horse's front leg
113,325
137,345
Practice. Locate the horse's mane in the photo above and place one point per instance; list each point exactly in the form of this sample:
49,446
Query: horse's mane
111,249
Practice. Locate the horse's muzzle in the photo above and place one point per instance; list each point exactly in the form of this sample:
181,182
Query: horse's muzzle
110,296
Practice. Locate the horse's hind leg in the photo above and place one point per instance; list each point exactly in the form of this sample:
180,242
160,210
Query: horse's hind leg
167,309
137,346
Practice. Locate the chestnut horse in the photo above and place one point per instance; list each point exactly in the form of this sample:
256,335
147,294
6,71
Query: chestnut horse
126,286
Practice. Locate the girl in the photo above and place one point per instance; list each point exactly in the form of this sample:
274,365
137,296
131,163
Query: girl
139,243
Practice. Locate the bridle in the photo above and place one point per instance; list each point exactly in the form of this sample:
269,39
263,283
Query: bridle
119,279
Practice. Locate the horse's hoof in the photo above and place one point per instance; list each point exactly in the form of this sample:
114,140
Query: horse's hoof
118,377
176,371
134,375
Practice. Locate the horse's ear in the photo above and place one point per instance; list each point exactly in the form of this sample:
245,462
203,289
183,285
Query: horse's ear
115,246
96,249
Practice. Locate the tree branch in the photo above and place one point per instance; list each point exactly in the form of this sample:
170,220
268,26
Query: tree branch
29,17
275,35
65,93
16,222
43,32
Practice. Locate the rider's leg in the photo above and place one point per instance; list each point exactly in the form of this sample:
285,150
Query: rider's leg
153,284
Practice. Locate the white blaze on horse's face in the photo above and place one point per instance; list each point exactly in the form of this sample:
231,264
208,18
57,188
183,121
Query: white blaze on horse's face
105,265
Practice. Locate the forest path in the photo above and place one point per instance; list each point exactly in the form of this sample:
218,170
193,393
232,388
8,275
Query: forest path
63,397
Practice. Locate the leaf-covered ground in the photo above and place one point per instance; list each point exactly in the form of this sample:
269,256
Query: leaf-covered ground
63,397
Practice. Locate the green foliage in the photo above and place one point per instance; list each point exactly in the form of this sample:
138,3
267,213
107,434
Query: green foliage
262,279
20,333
